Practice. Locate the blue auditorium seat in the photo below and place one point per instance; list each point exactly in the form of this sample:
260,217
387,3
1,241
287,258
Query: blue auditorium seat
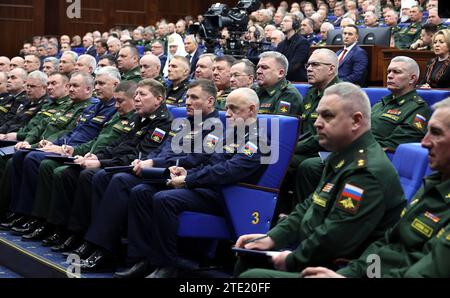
433,96
141,50
178,112
302,88
80,51
375,94
411,163
331,18
430,96
249,208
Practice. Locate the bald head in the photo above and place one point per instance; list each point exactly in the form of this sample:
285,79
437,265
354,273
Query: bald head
322,69
16,80
16,62
243,105
150,66
3,82
31,63
4,63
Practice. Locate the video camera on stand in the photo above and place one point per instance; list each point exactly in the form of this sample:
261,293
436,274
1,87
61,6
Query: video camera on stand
235,20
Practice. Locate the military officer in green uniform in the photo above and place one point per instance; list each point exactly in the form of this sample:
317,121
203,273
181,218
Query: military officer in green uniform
434,18
276,94
358,197
17,94
60,123
119,125
161,35
58,92
436,262
322,72
178,75
408,35
399,118
242,75
128,63
418,246
222,75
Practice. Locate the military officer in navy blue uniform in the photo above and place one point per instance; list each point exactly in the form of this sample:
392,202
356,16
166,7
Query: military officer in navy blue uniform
26,166
102,233
152,235
178,81
36,99
152,127
17,95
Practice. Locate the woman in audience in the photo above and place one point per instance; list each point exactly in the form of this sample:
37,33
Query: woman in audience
438,69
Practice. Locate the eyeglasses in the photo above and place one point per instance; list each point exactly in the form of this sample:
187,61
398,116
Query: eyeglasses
315,64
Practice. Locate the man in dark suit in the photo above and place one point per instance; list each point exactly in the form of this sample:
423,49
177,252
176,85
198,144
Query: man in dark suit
157,49
295,47
353,61
193,51
339,12
88,44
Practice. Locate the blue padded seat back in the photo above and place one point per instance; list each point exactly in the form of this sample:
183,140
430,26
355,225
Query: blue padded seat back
178,112
430,96
141,50
302,88
411,163
375,94
285,129
249,210
80,50
433,96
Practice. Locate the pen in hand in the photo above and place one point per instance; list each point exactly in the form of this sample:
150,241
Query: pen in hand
256,239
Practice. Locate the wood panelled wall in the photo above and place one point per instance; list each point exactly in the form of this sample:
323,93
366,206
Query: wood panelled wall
21,19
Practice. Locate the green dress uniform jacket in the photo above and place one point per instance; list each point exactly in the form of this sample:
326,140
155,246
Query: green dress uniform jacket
400,120
63,121
221,99
282,98
436,262
407,36
112,130
308,146
358,198
403,250
132,75
47,111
